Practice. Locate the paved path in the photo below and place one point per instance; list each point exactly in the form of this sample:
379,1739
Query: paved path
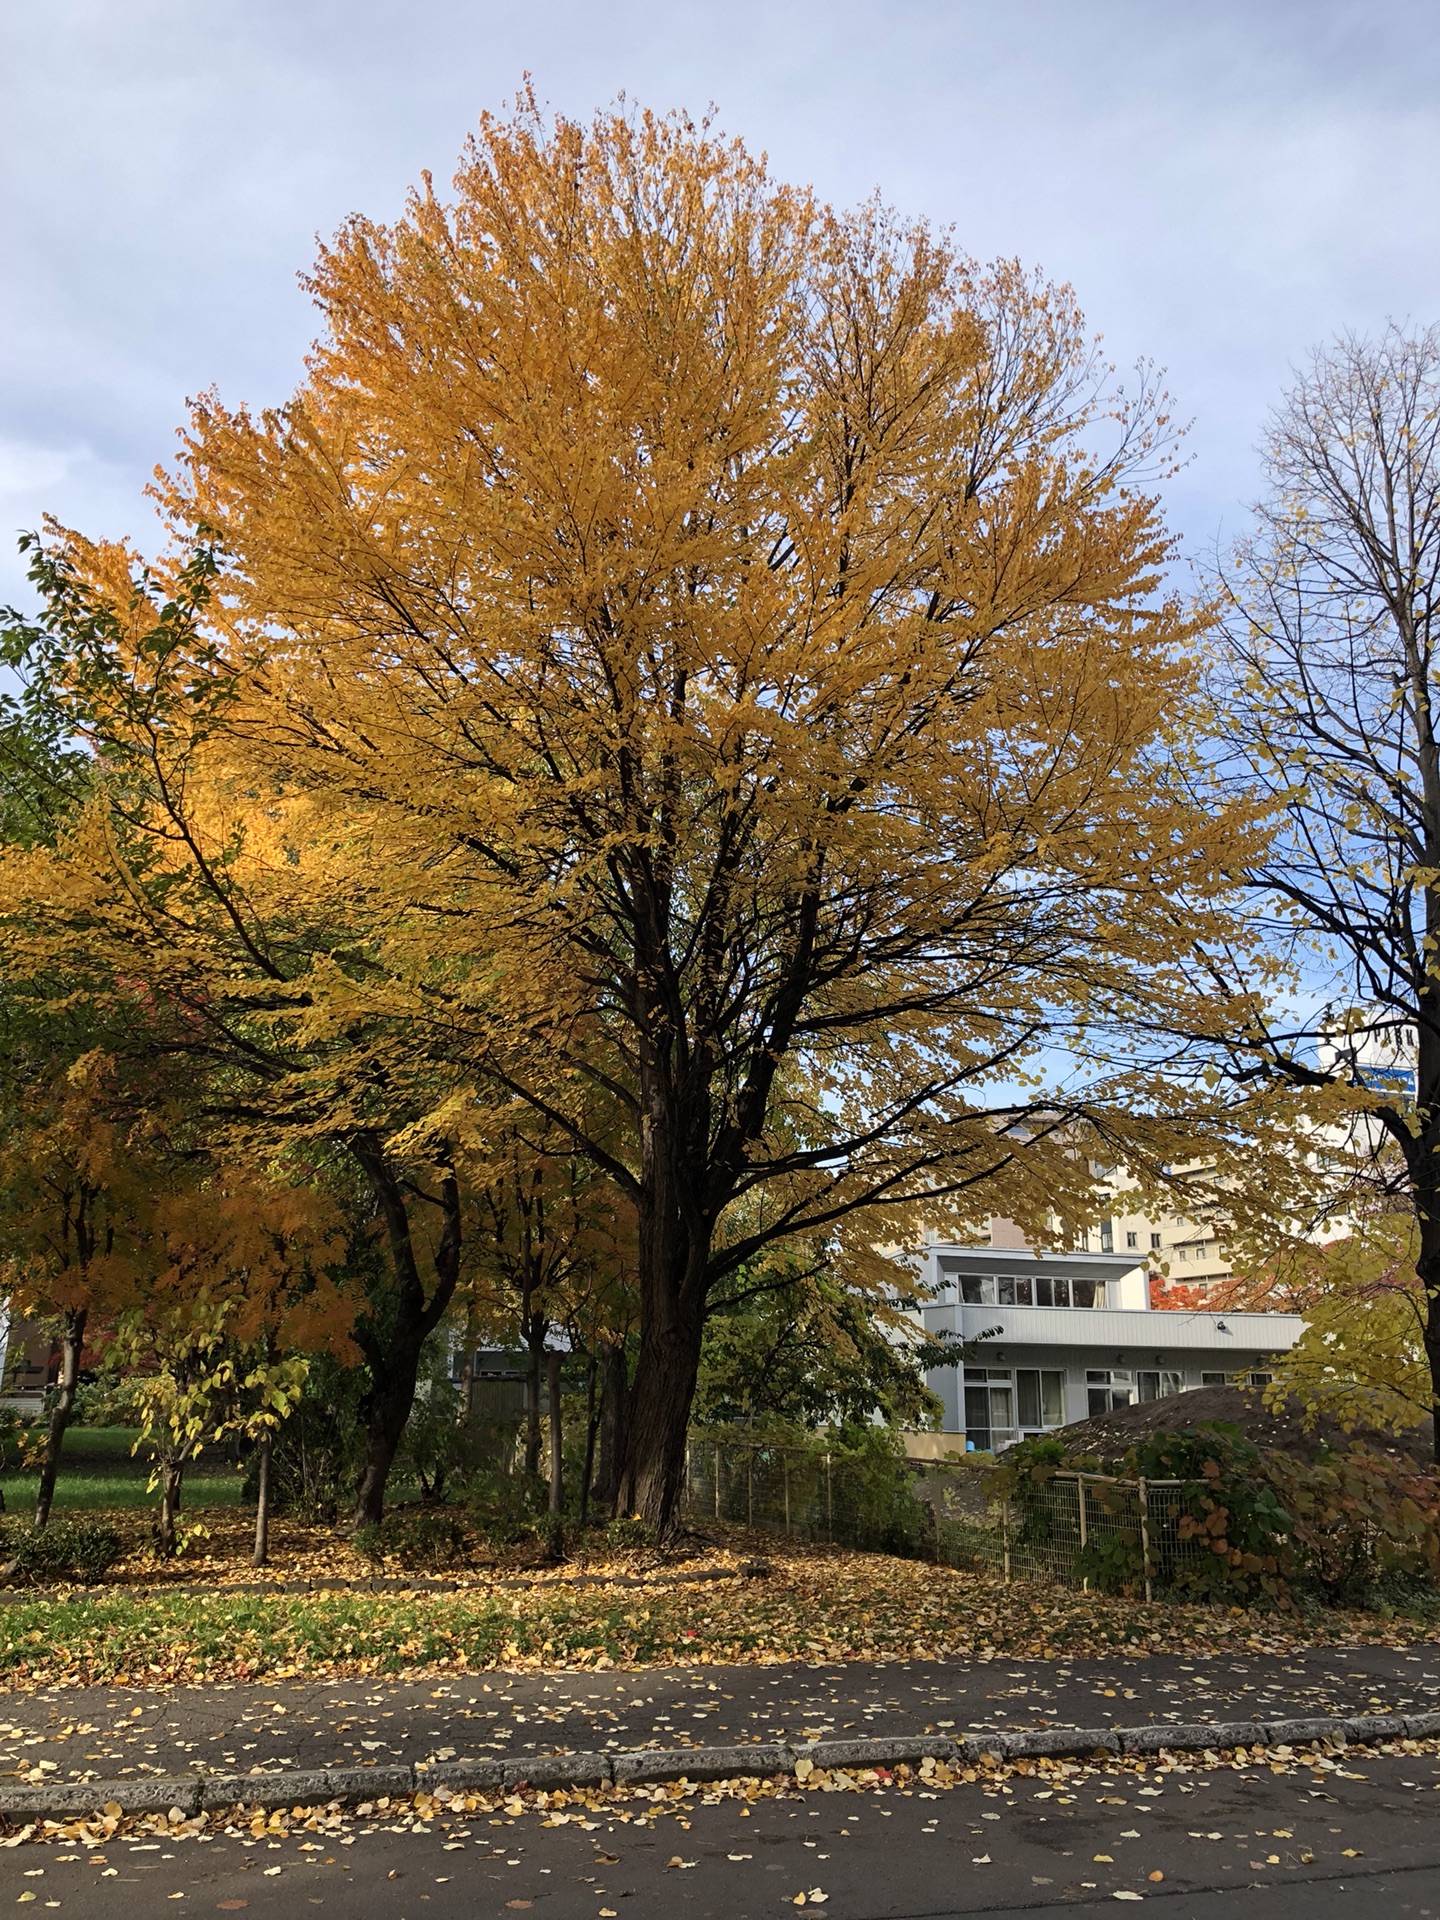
116,1733
1260,1846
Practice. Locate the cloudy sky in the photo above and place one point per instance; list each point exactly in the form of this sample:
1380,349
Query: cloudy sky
1224,182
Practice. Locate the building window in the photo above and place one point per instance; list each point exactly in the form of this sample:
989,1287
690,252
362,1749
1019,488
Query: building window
1040,1398
1260,1379
1107,1389
1132,1240
989,1409
1159,1384
1154,1243
1107,1236
1214,1379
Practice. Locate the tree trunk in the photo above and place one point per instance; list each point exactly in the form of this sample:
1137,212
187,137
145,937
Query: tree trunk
387,1411
672,1322
1425,1194
262,1500
72,1341
553,1359
536,1330
614,1424
392,1343
588,1471
172,1475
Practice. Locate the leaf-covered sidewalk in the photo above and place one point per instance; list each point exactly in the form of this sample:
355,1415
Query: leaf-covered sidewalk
815,1605
118,1733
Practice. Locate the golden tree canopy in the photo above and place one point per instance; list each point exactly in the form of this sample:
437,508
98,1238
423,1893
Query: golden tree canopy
710,625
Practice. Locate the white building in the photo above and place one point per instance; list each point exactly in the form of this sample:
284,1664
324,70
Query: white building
1057,1337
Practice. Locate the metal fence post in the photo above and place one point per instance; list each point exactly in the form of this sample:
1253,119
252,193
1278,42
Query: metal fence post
1005,1533
717,1483
829,1502
1145,1537
750,1488
785,1468
1080,1491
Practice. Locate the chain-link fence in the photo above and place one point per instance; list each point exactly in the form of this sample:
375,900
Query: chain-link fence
1076,1529
1089,1529
808,1494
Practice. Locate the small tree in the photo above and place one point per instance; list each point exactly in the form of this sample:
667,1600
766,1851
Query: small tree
1361,1359
217,1344
249,934
73,1202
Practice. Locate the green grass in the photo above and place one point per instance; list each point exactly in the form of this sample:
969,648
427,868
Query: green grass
110,1444
93,1491
97,1470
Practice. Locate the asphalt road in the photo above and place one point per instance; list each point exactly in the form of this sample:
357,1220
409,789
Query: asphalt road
1360,1841
118,1733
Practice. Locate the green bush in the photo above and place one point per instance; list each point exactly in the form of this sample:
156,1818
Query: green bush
1355,1528
508,1509
1232,1541
628,1535
316,1455
1237,1530
1366,1526
420,1538
66,1549
852,1483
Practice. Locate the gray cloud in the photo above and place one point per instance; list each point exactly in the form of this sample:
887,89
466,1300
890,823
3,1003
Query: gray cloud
1224,185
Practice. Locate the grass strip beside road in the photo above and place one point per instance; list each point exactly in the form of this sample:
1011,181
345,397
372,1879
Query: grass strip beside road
105,1492
811,1608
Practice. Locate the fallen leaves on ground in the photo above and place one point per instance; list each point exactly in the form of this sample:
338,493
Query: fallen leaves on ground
816,1604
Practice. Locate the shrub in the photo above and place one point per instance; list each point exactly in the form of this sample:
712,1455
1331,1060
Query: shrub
1232,1520
1231,1540
66,1549
628,1535
420,1538
316,1454
1365,1524
508,1509
1356,1527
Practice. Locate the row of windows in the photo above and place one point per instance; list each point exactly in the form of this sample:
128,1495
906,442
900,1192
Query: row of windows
1203,1249
1038,1290
1002,1406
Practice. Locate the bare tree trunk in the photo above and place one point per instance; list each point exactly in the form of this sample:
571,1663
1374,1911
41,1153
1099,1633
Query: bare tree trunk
392,1345
262,1500
553,1359
660,1402
672,1319
614,1423
387,1412
72,1341
536,1330
591,1422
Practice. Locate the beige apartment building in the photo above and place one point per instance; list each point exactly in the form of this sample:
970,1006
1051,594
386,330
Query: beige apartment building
1188,1253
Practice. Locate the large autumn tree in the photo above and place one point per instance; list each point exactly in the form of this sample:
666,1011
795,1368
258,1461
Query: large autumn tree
733,633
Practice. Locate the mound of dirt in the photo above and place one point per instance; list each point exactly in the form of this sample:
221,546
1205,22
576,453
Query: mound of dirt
1284,1432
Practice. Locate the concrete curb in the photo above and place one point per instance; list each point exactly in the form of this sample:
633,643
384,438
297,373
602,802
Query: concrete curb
188,1795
